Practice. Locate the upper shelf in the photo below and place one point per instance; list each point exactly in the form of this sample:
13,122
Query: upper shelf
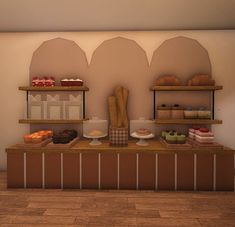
188,121
186,88
30,121
55,88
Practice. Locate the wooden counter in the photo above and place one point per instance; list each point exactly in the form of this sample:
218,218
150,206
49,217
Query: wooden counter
153,167
155,146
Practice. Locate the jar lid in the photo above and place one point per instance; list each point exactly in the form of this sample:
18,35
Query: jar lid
163,107
177,107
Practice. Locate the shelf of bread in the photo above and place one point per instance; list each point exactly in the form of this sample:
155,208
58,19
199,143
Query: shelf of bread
30,121
54,88
188,121
186,88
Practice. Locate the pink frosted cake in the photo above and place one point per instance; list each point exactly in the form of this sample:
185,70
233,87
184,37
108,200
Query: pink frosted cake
203,135
43,81
192,132
204,139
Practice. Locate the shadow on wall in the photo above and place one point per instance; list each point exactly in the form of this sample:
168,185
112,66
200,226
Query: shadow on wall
121,61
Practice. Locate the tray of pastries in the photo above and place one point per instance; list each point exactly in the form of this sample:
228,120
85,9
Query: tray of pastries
64,139
36,139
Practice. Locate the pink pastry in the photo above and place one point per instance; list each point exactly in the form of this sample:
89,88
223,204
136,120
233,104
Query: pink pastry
35,81
201,139
191,135
40,83
204,134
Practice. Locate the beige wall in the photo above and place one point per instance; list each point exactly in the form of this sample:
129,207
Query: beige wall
16,50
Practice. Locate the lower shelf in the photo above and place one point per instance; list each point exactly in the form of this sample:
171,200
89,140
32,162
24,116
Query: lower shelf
188,121
30,121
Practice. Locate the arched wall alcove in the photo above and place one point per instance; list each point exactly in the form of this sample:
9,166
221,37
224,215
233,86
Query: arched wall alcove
59,57
182,57
119,61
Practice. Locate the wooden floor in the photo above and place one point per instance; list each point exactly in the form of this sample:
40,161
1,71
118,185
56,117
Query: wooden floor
19,207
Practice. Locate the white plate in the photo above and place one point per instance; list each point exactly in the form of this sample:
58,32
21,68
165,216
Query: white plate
135,135
95,137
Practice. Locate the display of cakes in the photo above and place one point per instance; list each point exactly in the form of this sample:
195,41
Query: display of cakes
38,137
143,132
64,137
96,133
173,137
43,81
201,135
71,82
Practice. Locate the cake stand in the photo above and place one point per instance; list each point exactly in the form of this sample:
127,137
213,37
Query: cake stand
142,139
95,139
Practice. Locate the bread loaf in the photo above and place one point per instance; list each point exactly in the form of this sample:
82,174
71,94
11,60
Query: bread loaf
201,80
125,98
120,105
118,108
113,111
168,80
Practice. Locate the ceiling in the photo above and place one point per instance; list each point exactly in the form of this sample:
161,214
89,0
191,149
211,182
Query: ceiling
93,15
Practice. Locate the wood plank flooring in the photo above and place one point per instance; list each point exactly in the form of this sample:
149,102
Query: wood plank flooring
59,208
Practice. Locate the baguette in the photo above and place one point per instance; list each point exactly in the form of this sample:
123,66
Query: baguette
125,98
120,106
112,103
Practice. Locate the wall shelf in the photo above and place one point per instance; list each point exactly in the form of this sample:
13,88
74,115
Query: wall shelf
55,88
186,88
30,121
188,121
28,89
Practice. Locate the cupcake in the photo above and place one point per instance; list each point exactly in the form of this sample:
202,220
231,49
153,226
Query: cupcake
181,139
171,138
164,133
27,138
36,139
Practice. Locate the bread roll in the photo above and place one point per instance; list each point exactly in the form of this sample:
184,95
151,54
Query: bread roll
201,80
168,80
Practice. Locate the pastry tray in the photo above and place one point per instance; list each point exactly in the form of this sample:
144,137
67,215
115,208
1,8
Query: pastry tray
34,145
63,146
186,145
205,145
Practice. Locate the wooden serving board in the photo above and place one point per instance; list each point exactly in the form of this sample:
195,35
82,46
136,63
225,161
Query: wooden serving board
34,145
63,146
205,145
186,145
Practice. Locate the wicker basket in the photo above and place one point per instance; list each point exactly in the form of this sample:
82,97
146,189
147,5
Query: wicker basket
118,137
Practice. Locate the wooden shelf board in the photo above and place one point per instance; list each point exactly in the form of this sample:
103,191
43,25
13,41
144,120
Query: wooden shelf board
186,88
29,121
155,146
55,88
188,121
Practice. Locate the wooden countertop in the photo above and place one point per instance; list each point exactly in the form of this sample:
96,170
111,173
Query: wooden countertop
83,146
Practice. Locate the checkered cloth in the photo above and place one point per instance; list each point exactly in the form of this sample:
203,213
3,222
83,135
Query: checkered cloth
118,136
